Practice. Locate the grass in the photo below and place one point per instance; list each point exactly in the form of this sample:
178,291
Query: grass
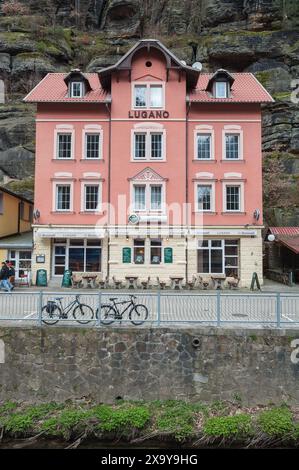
172,419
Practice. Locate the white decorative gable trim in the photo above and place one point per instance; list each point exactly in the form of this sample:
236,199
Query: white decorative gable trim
147,175
204,175
92,175
62,174
232,175
148,125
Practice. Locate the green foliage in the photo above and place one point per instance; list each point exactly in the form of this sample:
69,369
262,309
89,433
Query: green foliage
7,407
22,421
228,426
276,422
121,418
177,418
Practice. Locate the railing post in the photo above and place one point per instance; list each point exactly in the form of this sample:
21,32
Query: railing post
158,307
278,309
40,308
98,320
218,308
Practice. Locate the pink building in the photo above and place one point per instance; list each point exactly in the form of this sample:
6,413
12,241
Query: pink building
149,168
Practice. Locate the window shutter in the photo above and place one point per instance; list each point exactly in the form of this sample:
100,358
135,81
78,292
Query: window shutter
127,254
168,255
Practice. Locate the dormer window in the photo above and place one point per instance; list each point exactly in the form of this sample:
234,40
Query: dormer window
220,84
76,89
221,89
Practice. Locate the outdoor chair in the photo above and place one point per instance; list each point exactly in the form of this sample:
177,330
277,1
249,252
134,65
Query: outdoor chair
76,280
117,283
102,281
145,283
233,282
205,282
191,284
161,284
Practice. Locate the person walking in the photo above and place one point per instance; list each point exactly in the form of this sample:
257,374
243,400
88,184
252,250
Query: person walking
11,273
4,275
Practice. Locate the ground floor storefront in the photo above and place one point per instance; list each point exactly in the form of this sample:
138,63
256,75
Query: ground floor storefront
18,250
161,254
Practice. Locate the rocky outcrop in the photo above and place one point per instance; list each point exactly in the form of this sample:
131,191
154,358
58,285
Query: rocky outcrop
258,36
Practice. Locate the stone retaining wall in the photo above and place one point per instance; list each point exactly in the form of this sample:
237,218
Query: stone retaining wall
55,364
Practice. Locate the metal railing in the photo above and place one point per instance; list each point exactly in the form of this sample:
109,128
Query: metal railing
178,308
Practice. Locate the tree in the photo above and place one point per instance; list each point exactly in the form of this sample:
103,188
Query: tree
14,8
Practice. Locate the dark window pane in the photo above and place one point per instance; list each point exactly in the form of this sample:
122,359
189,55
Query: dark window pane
93,259
216,261
203,261
95,242
76,259
216,243
75,242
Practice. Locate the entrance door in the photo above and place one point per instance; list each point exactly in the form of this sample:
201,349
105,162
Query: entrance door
21,260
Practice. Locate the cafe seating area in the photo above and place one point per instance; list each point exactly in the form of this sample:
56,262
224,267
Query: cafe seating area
197,282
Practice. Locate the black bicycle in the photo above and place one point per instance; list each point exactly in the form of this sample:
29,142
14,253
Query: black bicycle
54,311
137,313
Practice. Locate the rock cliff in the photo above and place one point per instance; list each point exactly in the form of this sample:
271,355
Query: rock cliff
260,36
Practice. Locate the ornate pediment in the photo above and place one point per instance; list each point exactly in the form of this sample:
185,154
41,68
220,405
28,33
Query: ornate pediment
147,175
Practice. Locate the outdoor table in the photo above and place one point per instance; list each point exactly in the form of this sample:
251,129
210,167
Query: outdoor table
218,281
176,282
131,280
89,280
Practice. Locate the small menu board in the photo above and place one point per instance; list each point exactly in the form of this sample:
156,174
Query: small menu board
168,255
126,254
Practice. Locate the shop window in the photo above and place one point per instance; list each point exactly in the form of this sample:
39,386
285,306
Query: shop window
139,251
156,252
218,257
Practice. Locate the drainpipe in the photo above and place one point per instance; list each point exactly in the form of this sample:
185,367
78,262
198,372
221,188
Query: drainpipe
187,186
109,188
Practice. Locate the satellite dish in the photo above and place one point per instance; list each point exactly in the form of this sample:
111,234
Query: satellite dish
271,237
183,62
197,66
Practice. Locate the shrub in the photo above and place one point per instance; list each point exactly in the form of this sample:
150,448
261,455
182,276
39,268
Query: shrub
117,419
177,418
276,422
14,8
228,426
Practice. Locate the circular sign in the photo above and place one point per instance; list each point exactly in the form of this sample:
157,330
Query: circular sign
134,219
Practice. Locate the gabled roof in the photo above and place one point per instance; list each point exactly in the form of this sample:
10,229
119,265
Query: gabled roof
16,195
245,89
77,75
54,89
171,62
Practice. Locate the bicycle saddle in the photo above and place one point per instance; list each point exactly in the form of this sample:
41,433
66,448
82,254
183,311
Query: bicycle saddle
113,298
58,298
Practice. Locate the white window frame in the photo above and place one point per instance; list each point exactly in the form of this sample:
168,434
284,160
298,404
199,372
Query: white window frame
232,182
148,129
147,95
55,200
224,265
232,129
148,209
204,129
72,89
204,183
83,196
63,129
67,246
226,89
96,130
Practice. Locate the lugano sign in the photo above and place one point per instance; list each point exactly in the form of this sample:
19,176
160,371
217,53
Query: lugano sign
153,114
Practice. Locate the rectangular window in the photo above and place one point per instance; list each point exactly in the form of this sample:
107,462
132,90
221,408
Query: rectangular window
63,197
221,89
139,198
156,251
139,146
210,257
156,197
231,258
59,260
139,250
64,146
77,255
204,146
1,203
204,197
76,89
92,146
156,145
233,202
156,96
232,142
91,197
140,96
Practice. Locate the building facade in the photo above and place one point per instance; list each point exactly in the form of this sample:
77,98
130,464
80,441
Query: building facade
149,168
15,230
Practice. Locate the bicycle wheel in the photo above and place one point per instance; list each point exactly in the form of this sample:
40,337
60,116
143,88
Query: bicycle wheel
107,314
138,314
52,317
83,313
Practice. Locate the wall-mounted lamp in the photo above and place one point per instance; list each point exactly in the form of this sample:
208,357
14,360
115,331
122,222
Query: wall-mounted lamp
271,237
